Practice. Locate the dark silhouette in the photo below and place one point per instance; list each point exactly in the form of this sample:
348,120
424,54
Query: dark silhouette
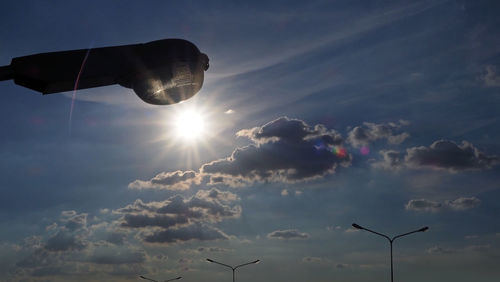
423,229
160,72
145,278
233,268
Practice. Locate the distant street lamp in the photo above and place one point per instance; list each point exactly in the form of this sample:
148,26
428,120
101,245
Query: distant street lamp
160,72
145,278
423,229
233,268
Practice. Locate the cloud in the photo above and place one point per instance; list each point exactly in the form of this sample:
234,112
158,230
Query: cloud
116,238
287,234
464,250
312,259
460,204
440,155
449,156
194,231
283,150
491,77
392,160
64,241
74,221
440,250
205,250
423,205
176,180
181,219
463,203
113,256
371,132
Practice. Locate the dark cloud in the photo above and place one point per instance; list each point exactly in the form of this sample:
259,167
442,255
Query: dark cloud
287,234
448,155
440,155
116,238
460,204
177,180
143,220
194,231
170,220
64,241
370,132
285,150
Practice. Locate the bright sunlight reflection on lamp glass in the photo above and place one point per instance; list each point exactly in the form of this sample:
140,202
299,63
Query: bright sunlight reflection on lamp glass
190,125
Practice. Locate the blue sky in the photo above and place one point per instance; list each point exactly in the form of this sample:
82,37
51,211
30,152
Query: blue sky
316,114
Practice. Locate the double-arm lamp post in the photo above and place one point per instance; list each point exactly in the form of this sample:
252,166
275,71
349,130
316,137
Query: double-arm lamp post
145,278
235,267
391,240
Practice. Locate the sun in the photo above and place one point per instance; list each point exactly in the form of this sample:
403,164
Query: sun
190,125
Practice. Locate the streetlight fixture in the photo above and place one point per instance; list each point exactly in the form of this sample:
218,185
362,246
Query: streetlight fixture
235,267
391,240
160,72
145,278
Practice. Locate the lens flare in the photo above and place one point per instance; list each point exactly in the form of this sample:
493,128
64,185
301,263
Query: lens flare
364,150
340,152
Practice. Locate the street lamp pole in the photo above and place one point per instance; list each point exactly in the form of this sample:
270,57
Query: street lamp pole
146,278
391,240
235,267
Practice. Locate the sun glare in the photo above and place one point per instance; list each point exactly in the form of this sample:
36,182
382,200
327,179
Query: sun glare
190,125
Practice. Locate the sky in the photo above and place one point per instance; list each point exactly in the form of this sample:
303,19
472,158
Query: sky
313,115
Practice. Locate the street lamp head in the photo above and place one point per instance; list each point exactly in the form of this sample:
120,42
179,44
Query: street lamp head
423,229
257,261
209,260
178,278
357,226
160,72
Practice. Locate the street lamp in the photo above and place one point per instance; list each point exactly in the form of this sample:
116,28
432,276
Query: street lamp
160,72
145,278
233,268
423,229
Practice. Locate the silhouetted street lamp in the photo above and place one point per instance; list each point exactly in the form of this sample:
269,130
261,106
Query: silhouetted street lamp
233,268
160,72
145,278
423,229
